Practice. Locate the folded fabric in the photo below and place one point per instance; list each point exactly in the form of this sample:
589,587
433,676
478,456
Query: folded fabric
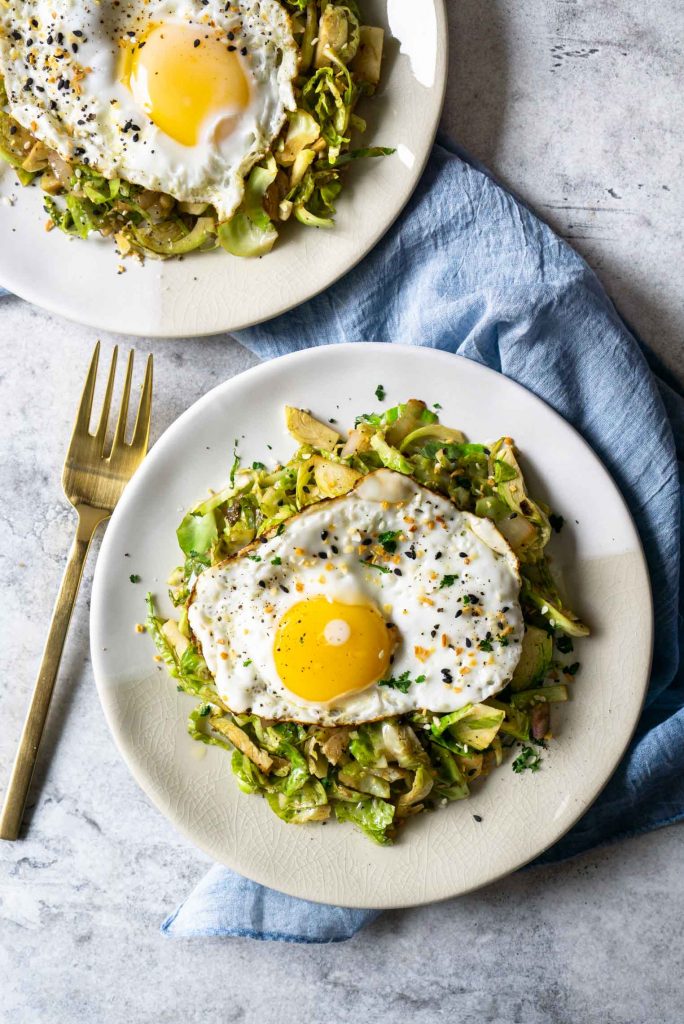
227,904
469,269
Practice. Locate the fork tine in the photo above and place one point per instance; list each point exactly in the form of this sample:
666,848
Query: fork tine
120,432
106,405
141,431
85,409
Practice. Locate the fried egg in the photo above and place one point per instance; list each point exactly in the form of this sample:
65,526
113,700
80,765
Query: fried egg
179,96
383,601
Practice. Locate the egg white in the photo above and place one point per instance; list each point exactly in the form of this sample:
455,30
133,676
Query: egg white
236,606
78,106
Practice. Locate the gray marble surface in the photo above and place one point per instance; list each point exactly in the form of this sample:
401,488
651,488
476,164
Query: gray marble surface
574,104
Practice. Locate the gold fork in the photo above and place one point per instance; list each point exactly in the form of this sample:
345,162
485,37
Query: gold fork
93,482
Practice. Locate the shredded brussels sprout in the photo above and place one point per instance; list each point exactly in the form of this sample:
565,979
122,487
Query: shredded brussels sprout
302,175
378,774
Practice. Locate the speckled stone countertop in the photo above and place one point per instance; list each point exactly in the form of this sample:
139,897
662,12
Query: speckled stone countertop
576,105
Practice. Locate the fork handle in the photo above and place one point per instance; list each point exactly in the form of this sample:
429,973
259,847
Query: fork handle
25,760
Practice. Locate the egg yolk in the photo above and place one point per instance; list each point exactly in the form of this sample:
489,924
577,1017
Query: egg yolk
324,649
184,75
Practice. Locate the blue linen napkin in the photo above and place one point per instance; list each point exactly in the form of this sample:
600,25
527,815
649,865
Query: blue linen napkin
469,269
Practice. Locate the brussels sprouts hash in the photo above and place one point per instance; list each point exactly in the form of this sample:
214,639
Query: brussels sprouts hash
301,177
378,774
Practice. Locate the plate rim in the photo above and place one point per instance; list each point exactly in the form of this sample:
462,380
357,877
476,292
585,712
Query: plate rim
30,290
269,366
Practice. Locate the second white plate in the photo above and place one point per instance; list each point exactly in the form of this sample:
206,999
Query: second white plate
205,294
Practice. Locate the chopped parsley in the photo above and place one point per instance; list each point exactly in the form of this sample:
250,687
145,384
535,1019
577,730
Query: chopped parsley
134,578
373,565
380,393
572,670
254,558
485,645
277,560
448,581
564,644
258,465
527,759
247,663
437,405
556,522
402,682
389,540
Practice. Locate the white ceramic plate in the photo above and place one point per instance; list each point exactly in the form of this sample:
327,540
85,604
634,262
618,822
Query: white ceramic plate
440,854
205,294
